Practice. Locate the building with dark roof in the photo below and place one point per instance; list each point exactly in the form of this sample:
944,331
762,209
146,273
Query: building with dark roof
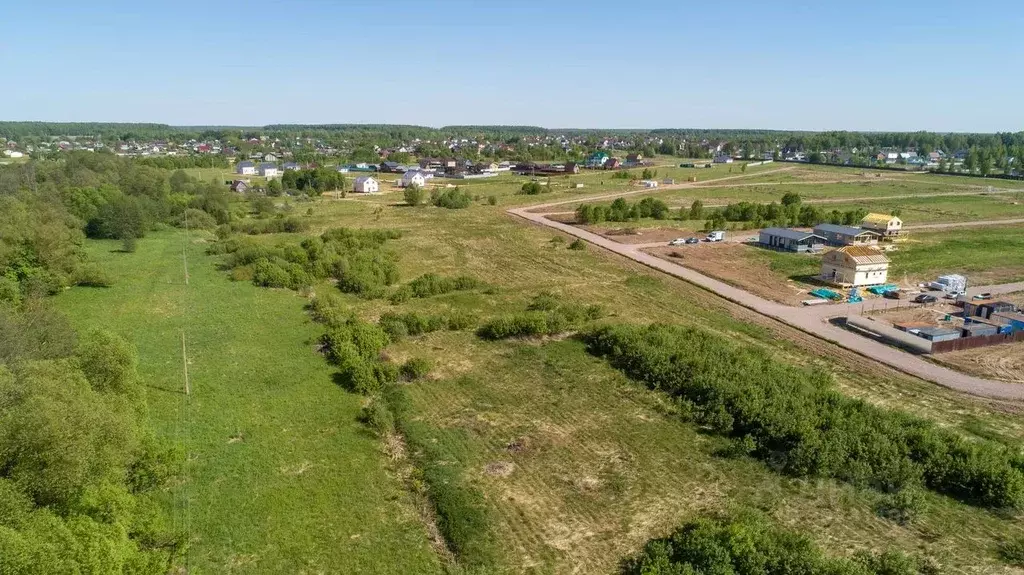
790,240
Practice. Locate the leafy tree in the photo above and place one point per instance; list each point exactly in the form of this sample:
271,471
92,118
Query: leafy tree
413,195
696,210
791,199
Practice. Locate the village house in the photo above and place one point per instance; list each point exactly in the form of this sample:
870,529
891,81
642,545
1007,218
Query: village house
838,235
291,166
790,240
597,160
365,185
239,186
612,164
246,168
413,178
723,159
269,157
268,170
886,226
634,160
855,266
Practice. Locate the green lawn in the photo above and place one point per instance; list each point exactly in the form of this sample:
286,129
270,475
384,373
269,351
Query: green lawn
282,478
986,255
944,209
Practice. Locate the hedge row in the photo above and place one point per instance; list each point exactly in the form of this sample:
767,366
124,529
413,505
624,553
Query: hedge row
431,284
398,325
462,513
279,225
793,417
546,315
750,545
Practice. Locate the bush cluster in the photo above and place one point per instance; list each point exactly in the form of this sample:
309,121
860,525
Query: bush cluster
534,188
278,225
415,368
793,417
546,315
622,211
431,284
453,199
411,323
355,258
750,545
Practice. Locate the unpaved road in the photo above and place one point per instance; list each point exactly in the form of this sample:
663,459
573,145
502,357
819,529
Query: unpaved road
810,320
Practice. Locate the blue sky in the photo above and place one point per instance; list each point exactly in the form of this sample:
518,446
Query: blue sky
943,66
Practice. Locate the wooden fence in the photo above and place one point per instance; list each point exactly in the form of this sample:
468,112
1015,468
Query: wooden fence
977,341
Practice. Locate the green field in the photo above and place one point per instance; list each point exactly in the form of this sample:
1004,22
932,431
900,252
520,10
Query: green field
986,255
281,478
944,209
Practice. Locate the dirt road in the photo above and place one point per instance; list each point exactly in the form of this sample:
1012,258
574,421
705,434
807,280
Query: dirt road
809,320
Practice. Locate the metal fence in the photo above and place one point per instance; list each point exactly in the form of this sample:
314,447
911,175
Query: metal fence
977,341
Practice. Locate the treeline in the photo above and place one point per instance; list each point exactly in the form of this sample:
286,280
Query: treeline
103,196
794,418
82,476
749,544
789,212
621,210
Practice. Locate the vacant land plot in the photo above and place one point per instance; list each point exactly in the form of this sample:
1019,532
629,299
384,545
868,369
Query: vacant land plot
578,465
281,478
988,255
1002,362
942,209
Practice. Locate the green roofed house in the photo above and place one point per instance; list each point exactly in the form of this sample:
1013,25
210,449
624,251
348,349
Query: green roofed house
596,160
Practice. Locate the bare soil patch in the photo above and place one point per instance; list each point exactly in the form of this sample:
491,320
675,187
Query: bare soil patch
731,263
1002,362
627,235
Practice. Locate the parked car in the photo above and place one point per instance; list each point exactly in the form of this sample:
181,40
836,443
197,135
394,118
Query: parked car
985,295
692,241
925,298
892,294
679,242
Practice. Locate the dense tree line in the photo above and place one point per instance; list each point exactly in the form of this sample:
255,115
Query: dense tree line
621,210
748,544
795,418
546,314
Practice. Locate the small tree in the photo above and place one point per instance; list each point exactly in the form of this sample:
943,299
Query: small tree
696,210
413,195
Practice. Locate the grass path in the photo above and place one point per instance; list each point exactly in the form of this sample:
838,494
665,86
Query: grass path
282,478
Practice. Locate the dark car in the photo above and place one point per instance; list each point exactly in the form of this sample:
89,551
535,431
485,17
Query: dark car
925,298
692,241
892,294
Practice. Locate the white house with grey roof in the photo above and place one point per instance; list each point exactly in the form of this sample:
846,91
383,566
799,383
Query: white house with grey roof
365,185
246,168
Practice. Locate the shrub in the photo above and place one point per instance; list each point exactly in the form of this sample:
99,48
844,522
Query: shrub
492,200
459,320
903,506
10,292
532,188
401,295
91,275
377,416
269,274
430,284
795,417
197,220
129,244
750,544
1012,552
413,195
578,245
454,199
415,368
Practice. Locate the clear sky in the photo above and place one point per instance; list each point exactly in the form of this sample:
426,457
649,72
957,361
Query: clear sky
894,65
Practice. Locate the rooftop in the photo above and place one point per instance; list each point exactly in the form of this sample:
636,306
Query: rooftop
844,230
865,254
789,234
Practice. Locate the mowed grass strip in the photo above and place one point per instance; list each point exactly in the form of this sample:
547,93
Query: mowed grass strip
281,478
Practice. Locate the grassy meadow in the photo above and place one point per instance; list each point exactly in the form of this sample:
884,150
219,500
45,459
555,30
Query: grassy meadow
281,477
